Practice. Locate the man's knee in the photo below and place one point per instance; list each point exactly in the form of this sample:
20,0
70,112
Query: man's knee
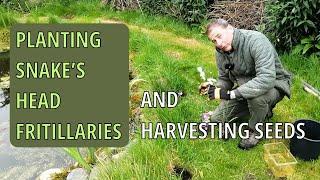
228,109
258,101
271,98
217,115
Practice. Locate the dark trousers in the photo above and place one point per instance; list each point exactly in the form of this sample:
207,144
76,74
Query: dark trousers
258,108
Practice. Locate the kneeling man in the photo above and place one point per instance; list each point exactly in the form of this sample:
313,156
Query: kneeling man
251,78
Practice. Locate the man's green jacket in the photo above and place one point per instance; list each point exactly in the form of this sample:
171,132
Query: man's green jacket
252,67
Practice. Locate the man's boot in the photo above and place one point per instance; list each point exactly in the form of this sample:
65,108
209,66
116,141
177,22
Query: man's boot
249,143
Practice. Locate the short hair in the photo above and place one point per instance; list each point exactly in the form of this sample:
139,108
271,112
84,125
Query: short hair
218,22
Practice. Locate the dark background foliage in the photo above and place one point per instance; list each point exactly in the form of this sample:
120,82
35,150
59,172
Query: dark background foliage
289,24
192,12
291,21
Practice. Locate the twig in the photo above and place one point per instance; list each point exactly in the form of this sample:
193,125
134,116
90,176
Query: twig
308,88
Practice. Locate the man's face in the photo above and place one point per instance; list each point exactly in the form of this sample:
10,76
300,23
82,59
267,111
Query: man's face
222,37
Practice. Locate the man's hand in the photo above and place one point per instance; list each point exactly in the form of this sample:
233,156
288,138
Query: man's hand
218,93
204,87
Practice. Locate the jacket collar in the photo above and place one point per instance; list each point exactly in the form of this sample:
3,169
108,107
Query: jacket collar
236,39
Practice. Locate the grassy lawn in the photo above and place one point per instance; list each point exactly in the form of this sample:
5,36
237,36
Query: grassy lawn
166,54
168,61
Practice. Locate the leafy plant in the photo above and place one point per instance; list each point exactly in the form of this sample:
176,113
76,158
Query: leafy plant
75,154
22,5
290,21
65,2
91,156
308,45
122,4
191,12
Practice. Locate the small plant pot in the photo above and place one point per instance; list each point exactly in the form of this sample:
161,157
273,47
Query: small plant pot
307,148
279,159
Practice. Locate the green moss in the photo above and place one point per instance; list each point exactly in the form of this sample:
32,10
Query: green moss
4,38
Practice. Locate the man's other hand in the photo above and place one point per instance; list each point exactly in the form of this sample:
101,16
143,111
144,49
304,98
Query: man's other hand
218,93
204,87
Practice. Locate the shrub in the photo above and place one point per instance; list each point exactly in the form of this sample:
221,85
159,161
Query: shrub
308,46
122,4
15,5
22,5
192,12
64,3
291,21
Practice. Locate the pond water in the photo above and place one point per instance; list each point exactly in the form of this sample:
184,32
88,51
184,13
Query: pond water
25,163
